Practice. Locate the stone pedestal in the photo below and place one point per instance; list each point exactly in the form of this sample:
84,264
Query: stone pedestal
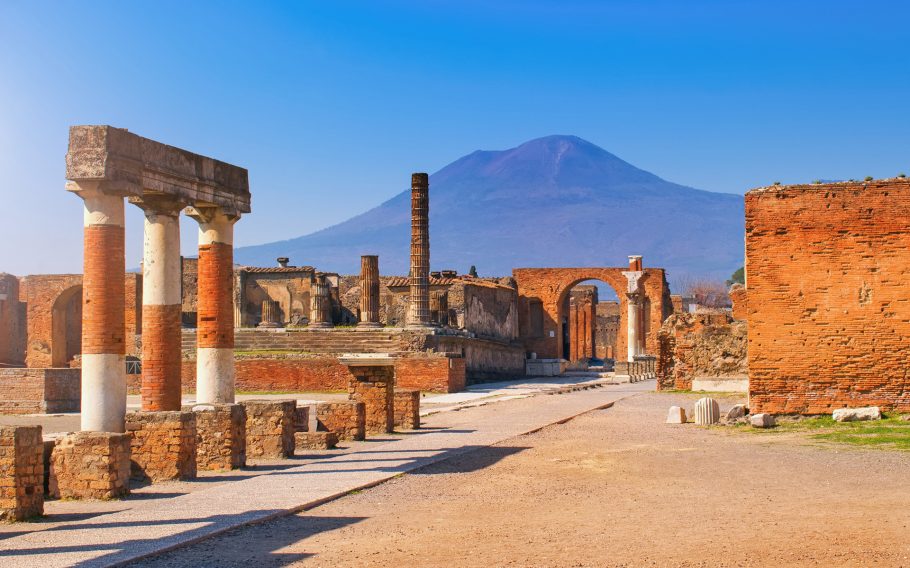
372,383
163,445
269,428
407,409
346,419
90,465
21,473
220,436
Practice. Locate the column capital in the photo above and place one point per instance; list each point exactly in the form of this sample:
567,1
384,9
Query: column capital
634,278
157,204
207,214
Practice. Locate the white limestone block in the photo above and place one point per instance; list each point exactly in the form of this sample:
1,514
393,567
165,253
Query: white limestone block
736,412
762,420
677,415
707,411
857,414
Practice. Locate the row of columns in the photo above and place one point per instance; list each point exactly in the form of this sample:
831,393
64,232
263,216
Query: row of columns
104,328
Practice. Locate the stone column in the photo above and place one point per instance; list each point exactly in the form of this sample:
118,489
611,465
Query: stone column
161,305
270,309
419,278
635,305
215,320
634,324
103,314
321,304
369,291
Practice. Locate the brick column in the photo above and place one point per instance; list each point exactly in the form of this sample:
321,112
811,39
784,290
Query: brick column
321,304
103,315
161,305
215,310
369,291
419,278
374,386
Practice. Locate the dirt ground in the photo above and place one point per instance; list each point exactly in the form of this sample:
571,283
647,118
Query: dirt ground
616,487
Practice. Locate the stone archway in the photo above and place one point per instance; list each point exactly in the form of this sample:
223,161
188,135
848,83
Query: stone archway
542,292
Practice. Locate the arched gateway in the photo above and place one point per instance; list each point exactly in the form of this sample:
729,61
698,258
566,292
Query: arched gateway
643,293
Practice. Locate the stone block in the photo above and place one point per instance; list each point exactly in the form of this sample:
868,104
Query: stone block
347,419
91,465
21,473
857,414
302,419
315,440
676,415
407,409
707,411
762,420
736,412
374,386
220,436
270,428
163,445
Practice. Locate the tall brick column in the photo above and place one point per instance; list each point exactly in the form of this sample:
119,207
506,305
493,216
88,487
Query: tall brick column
321,304
369,291
215,309
103,314
161,304
419,278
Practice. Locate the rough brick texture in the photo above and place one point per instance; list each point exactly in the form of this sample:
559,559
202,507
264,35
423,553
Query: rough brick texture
103,310
829,321
374,386
215,304
347,419
90,465
739,297
547,289
21,473
220,436
315,440
269,428
163,445
161,358
431,373
700,345
407,409
32,391
12,322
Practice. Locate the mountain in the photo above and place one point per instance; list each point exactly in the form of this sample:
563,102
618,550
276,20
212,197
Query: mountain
553,201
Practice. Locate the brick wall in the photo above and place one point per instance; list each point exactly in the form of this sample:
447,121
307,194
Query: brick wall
431,374
21,473
700,345
12,322
29,391
827,268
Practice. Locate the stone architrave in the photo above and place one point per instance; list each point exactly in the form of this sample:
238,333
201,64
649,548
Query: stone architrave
419,276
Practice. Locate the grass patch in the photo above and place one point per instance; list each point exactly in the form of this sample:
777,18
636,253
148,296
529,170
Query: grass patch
889,433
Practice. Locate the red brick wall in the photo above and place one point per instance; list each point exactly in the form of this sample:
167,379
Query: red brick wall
829,320
12,324
215,317
432,374
26,391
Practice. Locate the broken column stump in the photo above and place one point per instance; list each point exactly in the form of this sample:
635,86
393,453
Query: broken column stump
90,465
163,446
270,428
21,473
407,409
220,436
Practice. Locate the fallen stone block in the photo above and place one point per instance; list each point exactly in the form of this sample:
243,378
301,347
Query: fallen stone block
677,415
707,411
762,420
315,440
857,414
736,412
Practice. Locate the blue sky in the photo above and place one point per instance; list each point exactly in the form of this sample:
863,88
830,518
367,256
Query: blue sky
331,105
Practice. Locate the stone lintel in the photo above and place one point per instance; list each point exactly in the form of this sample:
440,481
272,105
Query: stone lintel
134,165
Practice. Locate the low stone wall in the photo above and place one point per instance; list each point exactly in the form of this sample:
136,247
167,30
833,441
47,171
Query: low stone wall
700,345
347,419
21,473
431,373
484,359
34,391
163,447
407,409
220,436
269,428
90,465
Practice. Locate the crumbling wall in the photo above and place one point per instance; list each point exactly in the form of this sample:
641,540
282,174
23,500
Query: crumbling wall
700,345
12,322
606,329
827,267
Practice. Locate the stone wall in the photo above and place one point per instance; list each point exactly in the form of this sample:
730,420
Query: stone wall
826,271
347,419
21,473
700,345
163,446
90,465
220,436
270,428
407,409
32,391
12,322
606,329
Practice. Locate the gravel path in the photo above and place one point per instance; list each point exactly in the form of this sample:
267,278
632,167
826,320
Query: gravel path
611,488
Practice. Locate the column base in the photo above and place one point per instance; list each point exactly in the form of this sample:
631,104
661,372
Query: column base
163,446
103,392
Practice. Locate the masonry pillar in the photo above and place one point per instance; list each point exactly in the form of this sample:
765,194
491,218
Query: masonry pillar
161,305
634,325
635,304
321,304
419,277
215,310
103,315
369,291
